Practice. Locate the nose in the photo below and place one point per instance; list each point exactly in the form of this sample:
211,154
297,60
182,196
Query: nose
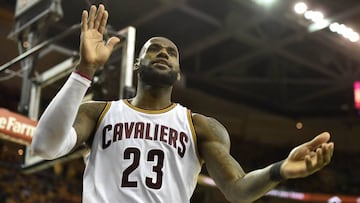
163,54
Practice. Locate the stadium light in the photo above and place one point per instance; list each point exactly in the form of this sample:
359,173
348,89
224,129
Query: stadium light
354,37
300,8
334,26
320,22
315,16
345,31
265,2
319,25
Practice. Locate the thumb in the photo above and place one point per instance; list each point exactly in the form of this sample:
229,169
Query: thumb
112,42
318,140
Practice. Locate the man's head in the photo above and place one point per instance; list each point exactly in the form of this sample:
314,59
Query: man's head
158,62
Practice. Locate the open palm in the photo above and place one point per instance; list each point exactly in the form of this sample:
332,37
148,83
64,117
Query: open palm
309,157
94,52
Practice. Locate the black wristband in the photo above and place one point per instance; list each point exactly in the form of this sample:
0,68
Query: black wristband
275,174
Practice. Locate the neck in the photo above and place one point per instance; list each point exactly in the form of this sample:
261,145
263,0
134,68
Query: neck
152,98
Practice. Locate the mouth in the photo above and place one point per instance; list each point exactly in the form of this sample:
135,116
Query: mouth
161,63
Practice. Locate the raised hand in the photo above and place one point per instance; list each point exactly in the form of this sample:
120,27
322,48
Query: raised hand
309,157
94,52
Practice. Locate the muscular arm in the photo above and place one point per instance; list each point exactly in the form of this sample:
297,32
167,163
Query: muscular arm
54,135
238,186
66,124
86,121
214,148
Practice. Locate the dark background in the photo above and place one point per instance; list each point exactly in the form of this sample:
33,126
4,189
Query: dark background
256,69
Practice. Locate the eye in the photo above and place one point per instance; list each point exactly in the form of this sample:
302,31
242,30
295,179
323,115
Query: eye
153,48
172,52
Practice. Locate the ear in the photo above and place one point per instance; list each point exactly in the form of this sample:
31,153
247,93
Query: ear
136,64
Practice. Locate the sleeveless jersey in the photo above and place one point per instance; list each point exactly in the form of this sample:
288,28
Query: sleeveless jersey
142,156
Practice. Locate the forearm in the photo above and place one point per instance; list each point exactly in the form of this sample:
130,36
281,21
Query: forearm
235,184
54,135
255,184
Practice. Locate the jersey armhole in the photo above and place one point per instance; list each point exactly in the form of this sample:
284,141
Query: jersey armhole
102,115
193,133
98,122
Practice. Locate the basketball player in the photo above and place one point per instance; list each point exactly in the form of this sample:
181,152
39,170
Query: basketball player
149,149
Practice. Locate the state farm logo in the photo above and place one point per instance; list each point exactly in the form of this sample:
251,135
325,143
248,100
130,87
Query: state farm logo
13,125
16,126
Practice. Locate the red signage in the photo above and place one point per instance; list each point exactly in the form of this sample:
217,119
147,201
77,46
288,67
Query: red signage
16,127
357,95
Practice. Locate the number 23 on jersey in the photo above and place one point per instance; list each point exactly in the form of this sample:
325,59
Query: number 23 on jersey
154,156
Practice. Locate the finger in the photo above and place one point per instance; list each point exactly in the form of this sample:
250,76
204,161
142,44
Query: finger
308,163
312,154
84,18
99,16
103,23
331,146
327,153
91,17
318,140
319,158
112,42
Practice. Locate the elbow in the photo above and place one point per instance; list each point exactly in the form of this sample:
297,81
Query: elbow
235,193
39,148
229,193
36,150
237,198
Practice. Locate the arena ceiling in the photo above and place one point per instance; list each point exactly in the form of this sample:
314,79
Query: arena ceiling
264,57
259,70
246,54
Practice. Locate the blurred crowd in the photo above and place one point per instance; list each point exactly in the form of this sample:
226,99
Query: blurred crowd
37,189
42,187
59,183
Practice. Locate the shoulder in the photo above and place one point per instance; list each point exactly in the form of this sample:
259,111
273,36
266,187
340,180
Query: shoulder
94,104
86,119
93,109
209,129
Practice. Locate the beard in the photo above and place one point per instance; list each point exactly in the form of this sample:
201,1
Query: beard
150,76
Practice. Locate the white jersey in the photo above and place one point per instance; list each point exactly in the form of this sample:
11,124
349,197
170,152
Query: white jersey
142,156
